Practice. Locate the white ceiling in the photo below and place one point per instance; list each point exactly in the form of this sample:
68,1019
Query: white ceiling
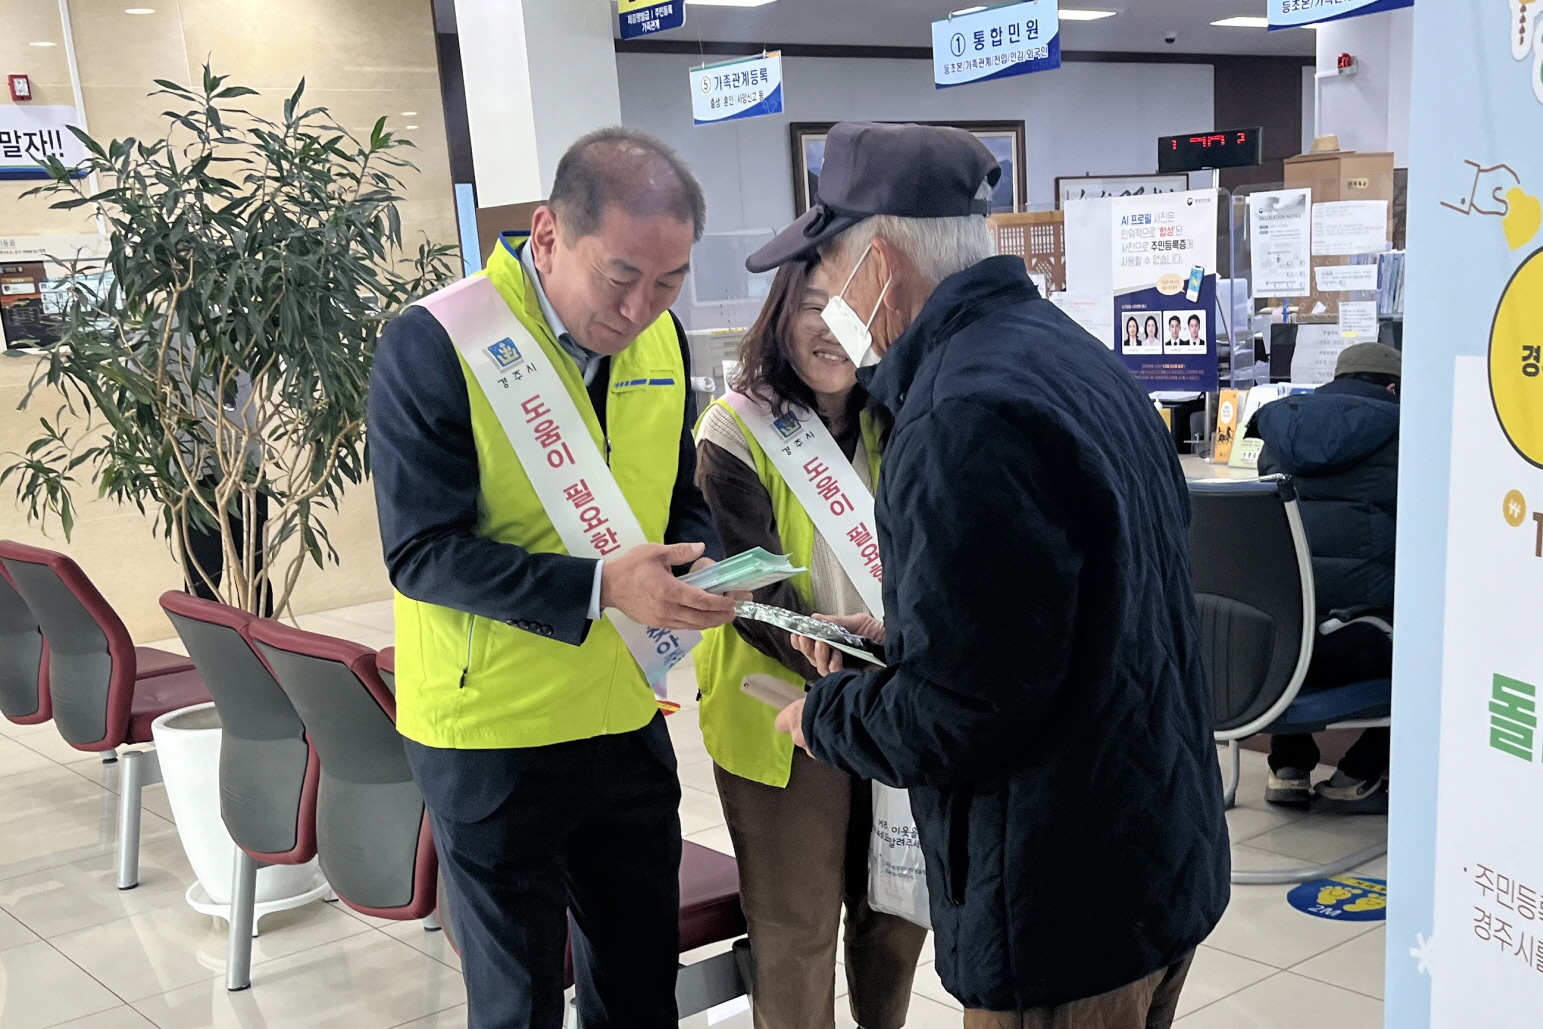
1140,26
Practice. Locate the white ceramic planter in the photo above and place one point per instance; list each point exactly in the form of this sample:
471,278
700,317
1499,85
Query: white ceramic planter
187,743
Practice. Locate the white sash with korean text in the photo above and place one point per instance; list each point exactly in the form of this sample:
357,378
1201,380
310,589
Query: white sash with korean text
826,485
554,445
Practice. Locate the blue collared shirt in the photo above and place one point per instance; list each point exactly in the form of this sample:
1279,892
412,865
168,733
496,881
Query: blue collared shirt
588,361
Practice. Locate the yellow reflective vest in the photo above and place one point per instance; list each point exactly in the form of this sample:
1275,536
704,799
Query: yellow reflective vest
468,682
741,732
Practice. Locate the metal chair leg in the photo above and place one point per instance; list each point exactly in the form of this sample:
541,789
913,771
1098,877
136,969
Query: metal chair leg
1235,756
431,923
1308,873
243,904
109,757
130,791
140,768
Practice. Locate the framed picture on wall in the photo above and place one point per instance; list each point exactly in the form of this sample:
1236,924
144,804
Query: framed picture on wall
1094,187
1003,138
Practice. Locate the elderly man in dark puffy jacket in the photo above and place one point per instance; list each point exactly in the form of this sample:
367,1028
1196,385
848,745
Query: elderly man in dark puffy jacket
1340,446
1044,699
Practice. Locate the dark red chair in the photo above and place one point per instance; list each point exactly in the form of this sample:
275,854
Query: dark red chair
23,660
372,829
269,772
105,691
709,913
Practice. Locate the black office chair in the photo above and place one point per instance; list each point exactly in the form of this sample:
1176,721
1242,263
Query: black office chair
1253,580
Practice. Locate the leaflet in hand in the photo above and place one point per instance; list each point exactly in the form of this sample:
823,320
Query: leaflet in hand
752,570
813,628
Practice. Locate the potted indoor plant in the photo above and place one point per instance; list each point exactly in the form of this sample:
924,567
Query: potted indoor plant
217,358
221,356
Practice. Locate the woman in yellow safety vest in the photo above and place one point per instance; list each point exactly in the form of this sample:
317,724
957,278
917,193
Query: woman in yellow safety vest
800,829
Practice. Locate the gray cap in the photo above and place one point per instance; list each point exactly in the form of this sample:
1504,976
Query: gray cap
912,171
1372,358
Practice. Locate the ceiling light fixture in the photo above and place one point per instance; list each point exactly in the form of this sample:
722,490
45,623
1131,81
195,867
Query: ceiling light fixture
409,126
139,10
1073,14
1243,22
43,42
409,114
730,3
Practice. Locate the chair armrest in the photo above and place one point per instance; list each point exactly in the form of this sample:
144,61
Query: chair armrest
1380,618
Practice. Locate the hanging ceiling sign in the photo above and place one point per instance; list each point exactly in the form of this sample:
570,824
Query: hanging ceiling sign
746,87
996,42
28,134
1293,14
645,17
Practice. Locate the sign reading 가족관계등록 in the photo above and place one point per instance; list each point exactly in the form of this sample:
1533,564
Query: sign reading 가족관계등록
746,87
995,43
1291,14
645,17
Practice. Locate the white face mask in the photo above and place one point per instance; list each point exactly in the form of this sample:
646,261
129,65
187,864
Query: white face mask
851,331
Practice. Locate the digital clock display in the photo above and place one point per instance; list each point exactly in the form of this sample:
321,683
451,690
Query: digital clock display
1229,148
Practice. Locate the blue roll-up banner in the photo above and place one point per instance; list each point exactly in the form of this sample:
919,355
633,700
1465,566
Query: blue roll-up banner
746,87
1293,14
645,17
997,42
1465,939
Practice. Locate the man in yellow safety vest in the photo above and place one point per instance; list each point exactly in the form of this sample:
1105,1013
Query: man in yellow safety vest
533,463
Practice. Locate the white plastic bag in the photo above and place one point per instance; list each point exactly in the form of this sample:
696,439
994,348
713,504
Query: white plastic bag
897,877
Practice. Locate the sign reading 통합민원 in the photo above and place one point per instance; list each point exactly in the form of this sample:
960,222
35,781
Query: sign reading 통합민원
1466,822
29,133
996,42
645,17
1293,14
1164,269
746,87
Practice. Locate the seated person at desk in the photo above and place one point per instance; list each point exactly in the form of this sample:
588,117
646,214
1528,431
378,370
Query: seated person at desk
1340,446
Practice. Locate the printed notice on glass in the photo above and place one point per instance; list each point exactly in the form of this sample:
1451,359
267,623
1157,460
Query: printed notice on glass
1091,310
1280,236
1350,227
1317,352
1358,320
1341,278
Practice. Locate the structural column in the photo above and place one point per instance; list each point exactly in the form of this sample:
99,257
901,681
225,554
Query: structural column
538,74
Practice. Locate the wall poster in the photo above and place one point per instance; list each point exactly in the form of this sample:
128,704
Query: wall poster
1164,267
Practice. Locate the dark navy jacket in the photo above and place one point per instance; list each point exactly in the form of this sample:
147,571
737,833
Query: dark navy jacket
1045,698
1340,446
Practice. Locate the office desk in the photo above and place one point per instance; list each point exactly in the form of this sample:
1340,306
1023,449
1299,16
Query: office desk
1204,468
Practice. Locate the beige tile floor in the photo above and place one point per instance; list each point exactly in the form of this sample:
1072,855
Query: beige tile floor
76,953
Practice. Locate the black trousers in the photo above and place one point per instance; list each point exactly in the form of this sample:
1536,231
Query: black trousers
526,836
206,551
1351,655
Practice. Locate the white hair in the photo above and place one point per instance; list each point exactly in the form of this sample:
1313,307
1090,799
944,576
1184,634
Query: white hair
939,247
